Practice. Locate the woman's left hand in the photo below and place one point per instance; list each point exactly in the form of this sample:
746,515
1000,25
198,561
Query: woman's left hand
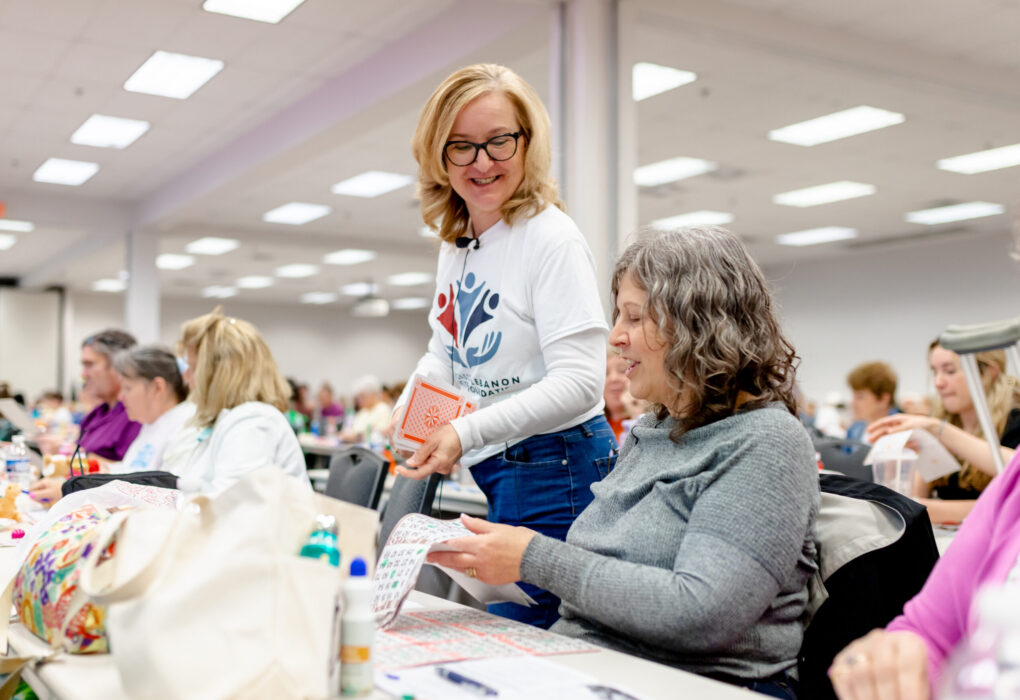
882,665
439,453
494,554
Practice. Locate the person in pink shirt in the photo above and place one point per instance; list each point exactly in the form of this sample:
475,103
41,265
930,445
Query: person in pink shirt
905,660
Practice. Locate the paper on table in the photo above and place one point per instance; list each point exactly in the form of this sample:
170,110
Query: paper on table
414,536
933,460
515,678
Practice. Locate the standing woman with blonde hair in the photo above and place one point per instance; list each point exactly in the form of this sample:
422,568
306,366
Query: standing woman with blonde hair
239,397
516,318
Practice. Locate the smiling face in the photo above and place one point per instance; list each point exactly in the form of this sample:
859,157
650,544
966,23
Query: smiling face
486,184
637,338
950,381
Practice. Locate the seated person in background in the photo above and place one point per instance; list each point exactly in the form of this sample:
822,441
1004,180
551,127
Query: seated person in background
106,432
328,407
906,659
955,425
152,392
374,410
296,419
874,396
615,394
697,548
239,396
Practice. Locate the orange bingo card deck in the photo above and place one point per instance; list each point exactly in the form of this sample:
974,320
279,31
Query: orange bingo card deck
431,405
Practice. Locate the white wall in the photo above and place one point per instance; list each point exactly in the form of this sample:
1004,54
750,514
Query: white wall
889,304
29,340
311,344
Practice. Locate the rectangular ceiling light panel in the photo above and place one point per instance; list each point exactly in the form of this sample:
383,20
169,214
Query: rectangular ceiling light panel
297,270
824,194
15,225
172,261
983,161
211,245
270,11
815,236
60,171
671,170
838,125
650,79
174,75
349,256
695,218
372,184
102,131
296,213
954,212
319,298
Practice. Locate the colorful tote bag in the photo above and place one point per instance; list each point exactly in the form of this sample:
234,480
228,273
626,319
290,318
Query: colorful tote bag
46,592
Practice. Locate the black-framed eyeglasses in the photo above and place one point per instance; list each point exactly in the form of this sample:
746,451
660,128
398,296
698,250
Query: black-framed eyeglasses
464,153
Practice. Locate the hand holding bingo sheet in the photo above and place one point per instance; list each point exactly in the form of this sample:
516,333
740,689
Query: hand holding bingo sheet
432,404
403,556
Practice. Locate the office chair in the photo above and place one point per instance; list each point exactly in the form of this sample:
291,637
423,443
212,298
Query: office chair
357,475
844,456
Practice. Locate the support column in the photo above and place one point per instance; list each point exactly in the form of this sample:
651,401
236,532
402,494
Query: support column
593,115
141,300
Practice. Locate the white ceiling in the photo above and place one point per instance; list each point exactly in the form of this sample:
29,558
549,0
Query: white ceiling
335,89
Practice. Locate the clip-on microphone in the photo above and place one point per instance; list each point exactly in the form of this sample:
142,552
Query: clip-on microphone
465,241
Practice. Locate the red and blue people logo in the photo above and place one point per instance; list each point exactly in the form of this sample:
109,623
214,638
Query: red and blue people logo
462,313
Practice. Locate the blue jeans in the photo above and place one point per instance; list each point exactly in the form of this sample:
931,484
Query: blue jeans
543,483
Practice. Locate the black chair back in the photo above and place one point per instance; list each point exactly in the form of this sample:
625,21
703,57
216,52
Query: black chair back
867,589
406,496
357,475
845,456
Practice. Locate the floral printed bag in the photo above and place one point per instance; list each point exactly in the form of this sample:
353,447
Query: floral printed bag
46,592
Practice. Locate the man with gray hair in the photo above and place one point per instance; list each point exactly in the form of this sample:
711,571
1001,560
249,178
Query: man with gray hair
374,410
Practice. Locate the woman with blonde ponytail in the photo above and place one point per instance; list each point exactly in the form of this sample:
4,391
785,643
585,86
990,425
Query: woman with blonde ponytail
955,423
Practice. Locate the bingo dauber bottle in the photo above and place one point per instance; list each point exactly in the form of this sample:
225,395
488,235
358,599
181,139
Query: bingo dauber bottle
357,631
986,664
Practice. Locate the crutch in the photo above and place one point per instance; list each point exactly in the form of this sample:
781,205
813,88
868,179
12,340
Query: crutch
966,341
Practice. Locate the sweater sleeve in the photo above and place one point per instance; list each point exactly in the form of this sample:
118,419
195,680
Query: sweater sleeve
740,545
575,375
938,614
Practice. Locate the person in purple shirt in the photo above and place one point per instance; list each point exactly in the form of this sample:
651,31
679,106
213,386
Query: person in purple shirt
106,432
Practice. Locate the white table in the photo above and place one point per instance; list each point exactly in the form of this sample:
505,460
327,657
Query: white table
95,677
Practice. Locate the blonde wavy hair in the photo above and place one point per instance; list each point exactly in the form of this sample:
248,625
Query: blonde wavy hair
442,209
1002,394
233,366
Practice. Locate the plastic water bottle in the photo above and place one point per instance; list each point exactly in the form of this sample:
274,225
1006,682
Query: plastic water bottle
19,469
986,666
357,631
322,543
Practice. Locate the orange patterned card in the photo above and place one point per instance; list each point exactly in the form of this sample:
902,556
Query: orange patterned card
431,405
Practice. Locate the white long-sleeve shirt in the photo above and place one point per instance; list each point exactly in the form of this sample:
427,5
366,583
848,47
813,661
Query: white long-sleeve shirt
518,322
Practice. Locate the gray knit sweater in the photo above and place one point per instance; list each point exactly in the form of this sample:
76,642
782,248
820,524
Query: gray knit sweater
695,554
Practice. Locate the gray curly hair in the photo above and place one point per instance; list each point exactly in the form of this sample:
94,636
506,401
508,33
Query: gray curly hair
711,303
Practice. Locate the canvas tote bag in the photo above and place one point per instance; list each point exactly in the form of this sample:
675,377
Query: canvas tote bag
213,601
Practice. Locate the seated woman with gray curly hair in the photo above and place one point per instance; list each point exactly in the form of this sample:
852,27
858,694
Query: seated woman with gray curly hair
697,549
